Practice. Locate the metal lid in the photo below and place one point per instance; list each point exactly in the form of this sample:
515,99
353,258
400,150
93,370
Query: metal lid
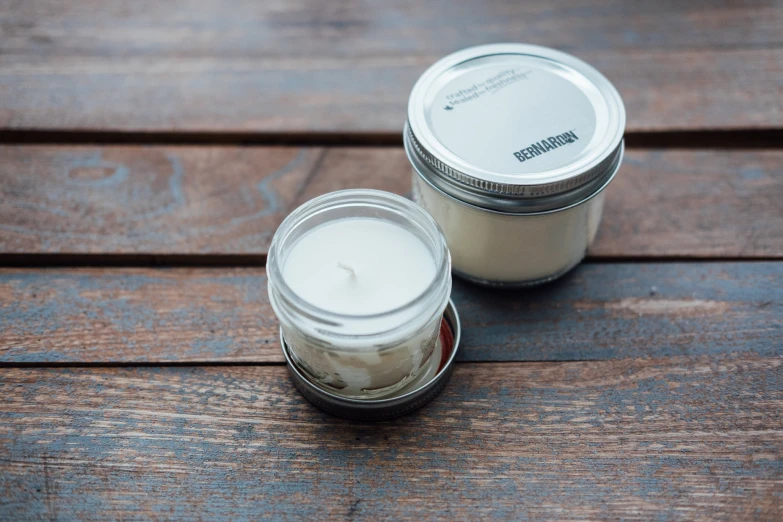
413,396
515,127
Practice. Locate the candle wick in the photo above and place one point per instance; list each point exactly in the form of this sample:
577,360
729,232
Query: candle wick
347,269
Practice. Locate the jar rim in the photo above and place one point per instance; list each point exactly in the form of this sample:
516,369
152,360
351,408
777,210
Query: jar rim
360,197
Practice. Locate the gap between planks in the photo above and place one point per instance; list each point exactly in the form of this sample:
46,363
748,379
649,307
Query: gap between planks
241,364
53,261
742,139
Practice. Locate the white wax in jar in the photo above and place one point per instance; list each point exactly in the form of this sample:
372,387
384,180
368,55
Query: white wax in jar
506,248
359,266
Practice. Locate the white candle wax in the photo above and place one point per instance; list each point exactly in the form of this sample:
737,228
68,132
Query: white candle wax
488,246
359,266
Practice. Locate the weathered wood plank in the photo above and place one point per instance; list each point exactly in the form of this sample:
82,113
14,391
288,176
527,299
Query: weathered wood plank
186,200
680,438
701,203
134,200
662,203
374,27
137,315
348,67
629,310
601,311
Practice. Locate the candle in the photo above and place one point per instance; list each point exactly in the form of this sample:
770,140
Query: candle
512,146
359,266
359,280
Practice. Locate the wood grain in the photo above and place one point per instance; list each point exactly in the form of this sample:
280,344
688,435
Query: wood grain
306,66
374,27
229,200
137,315
695,203
603,311
131,200
664,439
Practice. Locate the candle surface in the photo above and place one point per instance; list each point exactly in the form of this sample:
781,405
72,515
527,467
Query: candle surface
359,266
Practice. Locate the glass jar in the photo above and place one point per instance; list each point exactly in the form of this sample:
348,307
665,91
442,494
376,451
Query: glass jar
512,147
359,355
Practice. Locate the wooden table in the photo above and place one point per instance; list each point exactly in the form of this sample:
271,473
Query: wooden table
150,149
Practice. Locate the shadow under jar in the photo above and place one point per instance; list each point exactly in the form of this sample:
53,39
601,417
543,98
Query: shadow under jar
512,146
359,280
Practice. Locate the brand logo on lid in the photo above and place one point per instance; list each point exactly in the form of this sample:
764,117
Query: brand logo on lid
545,145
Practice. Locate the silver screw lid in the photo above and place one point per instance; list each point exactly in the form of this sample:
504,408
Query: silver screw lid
516,128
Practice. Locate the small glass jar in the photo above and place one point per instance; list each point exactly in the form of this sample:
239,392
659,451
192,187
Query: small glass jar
512,146
360,355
